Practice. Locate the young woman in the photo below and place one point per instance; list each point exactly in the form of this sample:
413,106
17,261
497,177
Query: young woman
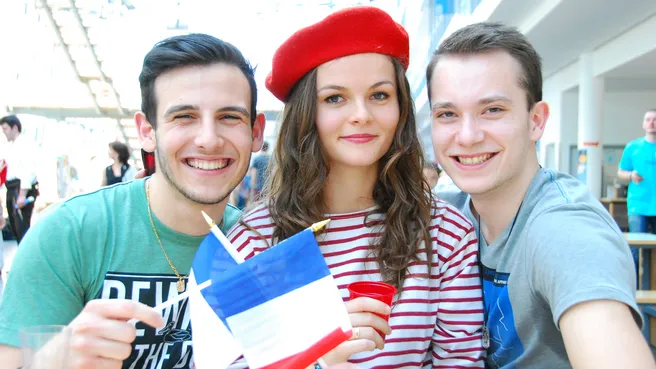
120,170
348,150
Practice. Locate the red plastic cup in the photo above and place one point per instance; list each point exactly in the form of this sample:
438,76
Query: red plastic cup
376,290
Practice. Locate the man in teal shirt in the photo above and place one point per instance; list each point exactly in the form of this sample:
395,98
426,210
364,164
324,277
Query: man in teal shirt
103,258
638,166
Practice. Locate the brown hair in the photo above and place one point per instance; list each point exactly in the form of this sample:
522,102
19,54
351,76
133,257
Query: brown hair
488,36
294,192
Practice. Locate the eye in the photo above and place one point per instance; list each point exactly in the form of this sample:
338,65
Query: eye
380,96
184,116
494,110
333,99
230,117
446,114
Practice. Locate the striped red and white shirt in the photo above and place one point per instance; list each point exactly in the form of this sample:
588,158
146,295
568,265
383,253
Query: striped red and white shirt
436,322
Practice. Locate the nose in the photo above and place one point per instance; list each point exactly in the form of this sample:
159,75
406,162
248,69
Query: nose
208,135
469,133
361,113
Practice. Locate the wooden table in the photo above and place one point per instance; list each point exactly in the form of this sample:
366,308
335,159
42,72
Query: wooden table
645,242
611,203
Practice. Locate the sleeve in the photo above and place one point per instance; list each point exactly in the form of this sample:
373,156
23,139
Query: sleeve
457,335
26,169
626,162
44,284
577,255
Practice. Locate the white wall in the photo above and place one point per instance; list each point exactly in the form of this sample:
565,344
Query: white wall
622,120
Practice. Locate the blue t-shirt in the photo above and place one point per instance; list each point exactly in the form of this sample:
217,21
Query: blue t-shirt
640,155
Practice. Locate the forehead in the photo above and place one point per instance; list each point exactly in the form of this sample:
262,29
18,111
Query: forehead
476,75
650,114
358,68
209,87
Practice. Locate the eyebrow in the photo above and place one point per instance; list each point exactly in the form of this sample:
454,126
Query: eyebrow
177,108
487,100
341,88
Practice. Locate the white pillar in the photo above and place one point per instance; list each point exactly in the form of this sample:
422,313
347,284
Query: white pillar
591,96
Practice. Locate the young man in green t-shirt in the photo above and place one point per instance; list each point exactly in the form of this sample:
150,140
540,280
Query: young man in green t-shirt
103,258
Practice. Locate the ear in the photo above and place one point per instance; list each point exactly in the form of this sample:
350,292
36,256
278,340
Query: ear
538,119
258,132
146,132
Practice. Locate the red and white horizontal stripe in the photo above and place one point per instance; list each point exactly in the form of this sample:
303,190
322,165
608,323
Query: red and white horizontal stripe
437,320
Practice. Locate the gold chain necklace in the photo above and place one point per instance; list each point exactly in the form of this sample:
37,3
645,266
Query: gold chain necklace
181,279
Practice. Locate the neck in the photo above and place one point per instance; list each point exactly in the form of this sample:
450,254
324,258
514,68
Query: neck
650,137
498,207
349,189
179,213
117,164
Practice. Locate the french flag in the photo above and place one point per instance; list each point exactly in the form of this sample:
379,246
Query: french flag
282,307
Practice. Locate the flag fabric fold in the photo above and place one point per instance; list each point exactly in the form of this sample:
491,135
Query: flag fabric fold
281,306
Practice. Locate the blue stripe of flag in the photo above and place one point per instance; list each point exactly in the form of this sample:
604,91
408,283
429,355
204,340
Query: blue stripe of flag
293,263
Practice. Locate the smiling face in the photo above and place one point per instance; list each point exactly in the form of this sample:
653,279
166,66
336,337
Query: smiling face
204,138
357,109
484,134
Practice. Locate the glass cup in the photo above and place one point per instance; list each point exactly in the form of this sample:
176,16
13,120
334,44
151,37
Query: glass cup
45,346
376,290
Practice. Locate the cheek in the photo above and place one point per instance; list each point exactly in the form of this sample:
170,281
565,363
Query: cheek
328,122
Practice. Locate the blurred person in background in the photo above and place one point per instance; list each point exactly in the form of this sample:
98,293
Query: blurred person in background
431,173
638,167
120,170
22,185
259,172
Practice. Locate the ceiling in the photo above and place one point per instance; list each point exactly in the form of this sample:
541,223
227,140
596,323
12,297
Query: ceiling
571,27
83,57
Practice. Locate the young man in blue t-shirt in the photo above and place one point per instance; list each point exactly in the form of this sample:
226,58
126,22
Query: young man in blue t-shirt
638,166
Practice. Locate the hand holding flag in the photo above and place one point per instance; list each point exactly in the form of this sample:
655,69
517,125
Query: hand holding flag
282,306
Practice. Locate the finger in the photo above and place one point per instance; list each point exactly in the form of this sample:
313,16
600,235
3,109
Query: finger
370,320
140,174
125,310
94,362
95,325
349,348
368,304
90,345
370,334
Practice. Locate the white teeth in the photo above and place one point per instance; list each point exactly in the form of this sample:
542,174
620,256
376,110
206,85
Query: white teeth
473,160
208,164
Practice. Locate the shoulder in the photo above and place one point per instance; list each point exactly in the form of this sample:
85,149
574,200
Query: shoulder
253,231
448,224
231,215
563,208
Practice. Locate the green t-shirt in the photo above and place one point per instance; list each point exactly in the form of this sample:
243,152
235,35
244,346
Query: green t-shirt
102,245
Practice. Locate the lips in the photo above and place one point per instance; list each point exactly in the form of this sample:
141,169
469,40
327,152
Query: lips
359,138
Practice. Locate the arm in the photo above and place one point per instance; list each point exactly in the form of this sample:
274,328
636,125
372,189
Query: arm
602,334
583,269
456,344
626,171
103,183
48,286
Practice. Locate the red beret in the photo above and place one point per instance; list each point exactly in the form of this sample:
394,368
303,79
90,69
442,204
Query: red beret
356,30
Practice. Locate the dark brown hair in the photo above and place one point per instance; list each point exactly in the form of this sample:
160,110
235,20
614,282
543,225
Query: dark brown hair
488,36
294,194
